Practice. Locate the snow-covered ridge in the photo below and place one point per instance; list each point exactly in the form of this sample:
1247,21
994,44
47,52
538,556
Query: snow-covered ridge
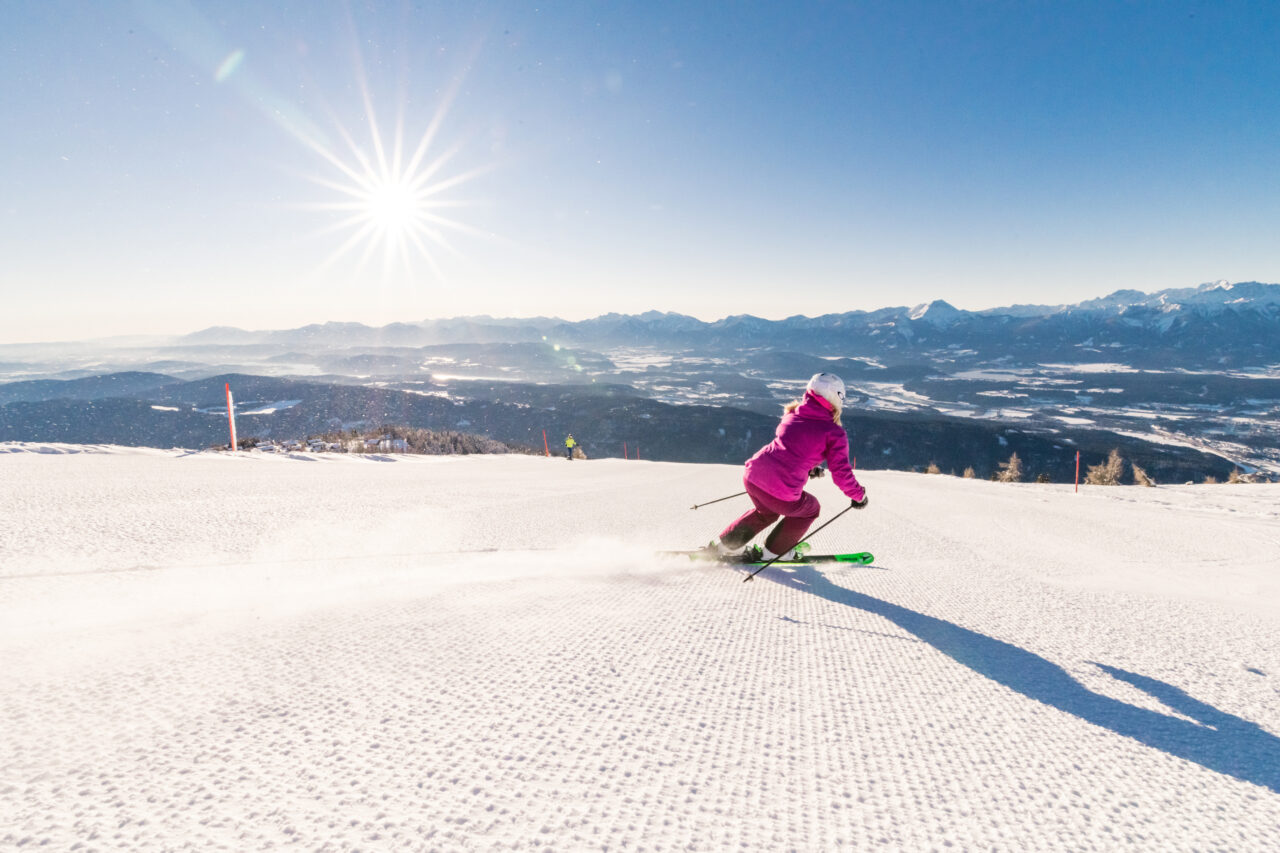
1217,295
656,326
1212,296
1230,324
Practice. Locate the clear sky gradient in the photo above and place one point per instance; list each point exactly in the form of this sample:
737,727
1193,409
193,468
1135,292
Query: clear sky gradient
169,165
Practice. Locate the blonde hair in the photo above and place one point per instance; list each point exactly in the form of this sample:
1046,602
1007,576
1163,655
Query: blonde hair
795,404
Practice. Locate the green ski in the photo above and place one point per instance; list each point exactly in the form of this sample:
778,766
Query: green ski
860,558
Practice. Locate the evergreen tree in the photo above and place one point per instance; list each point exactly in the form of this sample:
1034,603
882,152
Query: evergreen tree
1011,471
1108,473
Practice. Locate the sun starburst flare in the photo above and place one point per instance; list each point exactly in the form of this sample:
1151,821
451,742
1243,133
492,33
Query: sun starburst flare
393,204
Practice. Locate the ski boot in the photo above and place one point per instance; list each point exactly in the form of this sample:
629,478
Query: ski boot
795,555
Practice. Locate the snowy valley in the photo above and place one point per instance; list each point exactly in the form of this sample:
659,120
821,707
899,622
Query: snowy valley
1185,381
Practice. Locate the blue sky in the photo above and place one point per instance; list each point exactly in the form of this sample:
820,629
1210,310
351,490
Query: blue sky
170,165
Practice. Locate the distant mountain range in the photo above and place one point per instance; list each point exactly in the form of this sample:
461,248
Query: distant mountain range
1212,326
1185,381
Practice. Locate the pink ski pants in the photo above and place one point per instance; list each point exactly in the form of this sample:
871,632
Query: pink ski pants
797,517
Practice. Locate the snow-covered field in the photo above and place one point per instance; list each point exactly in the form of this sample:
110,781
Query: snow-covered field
209,652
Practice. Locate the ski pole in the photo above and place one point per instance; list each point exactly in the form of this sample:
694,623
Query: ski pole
717,500
814,533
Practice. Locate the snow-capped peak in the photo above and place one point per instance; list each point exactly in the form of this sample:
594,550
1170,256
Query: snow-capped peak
938,313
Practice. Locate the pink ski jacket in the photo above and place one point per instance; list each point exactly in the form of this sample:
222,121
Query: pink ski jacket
804,438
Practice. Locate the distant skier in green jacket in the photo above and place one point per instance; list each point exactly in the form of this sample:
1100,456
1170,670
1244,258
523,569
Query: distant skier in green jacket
569,445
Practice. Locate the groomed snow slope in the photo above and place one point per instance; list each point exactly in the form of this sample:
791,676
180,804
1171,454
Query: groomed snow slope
209,652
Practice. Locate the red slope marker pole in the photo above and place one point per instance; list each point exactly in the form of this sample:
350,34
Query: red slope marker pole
624,451
231,416
546,449
1077,472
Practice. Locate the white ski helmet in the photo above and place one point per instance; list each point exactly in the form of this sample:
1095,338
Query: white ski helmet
829,387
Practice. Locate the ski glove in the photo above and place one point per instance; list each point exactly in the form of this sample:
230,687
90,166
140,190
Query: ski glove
859,504
817,472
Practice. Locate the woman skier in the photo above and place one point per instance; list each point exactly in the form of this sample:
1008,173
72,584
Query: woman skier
810,432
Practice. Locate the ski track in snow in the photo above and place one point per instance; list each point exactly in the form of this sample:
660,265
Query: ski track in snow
201,651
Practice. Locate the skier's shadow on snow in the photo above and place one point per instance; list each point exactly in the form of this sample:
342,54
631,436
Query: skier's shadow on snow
1217,740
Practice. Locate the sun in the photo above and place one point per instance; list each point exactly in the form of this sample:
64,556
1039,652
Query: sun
393,203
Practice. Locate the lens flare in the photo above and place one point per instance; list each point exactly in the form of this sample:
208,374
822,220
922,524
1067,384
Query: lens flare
228,66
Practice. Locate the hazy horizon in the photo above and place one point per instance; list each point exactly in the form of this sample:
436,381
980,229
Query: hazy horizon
514,318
